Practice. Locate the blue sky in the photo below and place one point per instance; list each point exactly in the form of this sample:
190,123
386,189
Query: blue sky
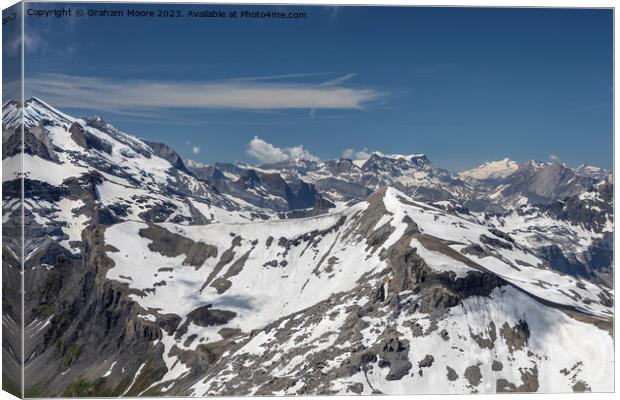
461,85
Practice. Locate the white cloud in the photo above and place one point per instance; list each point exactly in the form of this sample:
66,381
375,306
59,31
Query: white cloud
265,152
554,158
195,149
352,154
122,95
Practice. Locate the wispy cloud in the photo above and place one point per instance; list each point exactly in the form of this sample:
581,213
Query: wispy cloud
121,96
265,152
333,11
278,77
195,150
339,80
32,42
554,158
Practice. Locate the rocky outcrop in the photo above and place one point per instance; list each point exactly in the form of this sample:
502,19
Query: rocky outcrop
167,153
592,208
87,140
172,245
437,290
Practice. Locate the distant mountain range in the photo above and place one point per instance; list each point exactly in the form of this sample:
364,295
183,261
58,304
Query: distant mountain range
151,275
493,186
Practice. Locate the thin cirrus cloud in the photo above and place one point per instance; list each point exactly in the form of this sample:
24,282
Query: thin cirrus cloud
121,96
32,42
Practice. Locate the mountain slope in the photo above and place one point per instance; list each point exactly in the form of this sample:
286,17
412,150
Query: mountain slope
494,186
411,292
346,180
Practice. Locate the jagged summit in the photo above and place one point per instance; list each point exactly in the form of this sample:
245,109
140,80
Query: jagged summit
34,112
408,157
594,172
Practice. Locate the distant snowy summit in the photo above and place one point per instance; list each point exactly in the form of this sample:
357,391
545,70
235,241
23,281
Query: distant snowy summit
594,172
501,169
491,170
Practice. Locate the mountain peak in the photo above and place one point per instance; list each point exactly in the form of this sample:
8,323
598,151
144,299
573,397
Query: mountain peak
592,171
34,111
383,160
292,163
407,157
491,170
35,104
38,101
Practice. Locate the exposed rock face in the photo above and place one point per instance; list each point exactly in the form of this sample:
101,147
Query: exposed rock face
267,190
436,290
516,337
473,375
528,384
205,316
427,361
542,183
87,140
394,355
171,245
35,143
167,153
553,254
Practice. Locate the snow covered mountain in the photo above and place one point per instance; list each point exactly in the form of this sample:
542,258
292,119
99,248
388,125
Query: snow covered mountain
148,275
495,186
594,172
536,182
346,180
491,170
